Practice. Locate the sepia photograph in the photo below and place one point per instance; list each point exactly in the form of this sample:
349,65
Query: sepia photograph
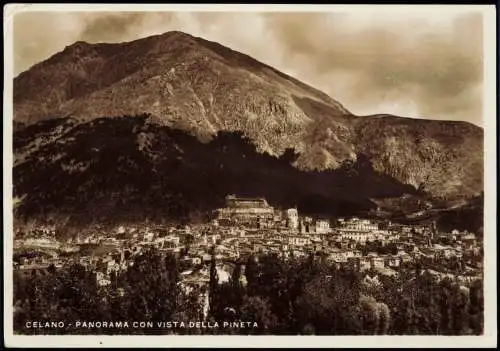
324,173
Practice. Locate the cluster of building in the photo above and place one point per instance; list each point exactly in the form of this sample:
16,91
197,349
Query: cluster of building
246,226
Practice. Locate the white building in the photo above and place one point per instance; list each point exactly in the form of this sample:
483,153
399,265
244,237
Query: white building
359,224
298,240
360,230
337,255
292,218
322,226
356,235
148,236
102,279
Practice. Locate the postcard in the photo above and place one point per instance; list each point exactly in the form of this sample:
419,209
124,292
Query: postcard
249,175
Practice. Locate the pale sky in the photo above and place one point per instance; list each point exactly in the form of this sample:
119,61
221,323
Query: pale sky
410,64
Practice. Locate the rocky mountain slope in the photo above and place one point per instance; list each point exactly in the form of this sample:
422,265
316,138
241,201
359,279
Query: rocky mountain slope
202,88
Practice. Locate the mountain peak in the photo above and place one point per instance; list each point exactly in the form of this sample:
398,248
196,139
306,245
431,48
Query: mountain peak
78,44
177,34
97,70
78,48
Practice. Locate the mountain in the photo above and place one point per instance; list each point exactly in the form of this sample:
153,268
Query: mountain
200,91
187,83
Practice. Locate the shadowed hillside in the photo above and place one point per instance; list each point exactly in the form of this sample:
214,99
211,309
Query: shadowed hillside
129,168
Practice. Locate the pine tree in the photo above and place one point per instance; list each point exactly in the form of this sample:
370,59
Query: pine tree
213,284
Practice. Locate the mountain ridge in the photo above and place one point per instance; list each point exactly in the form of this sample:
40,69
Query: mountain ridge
204,88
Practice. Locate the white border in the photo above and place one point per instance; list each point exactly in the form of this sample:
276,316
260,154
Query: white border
489,339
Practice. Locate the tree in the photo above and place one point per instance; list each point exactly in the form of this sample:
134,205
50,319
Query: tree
257,309
376,317
51,269
150,289
370,314
329,304
445,303
251,274
213,285
460,311
476,307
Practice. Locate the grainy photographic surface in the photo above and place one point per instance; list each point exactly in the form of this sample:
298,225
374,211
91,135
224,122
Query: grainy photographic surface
248,173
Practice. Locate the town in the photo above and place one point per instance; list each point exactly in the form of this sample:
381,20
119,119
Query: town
251,226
